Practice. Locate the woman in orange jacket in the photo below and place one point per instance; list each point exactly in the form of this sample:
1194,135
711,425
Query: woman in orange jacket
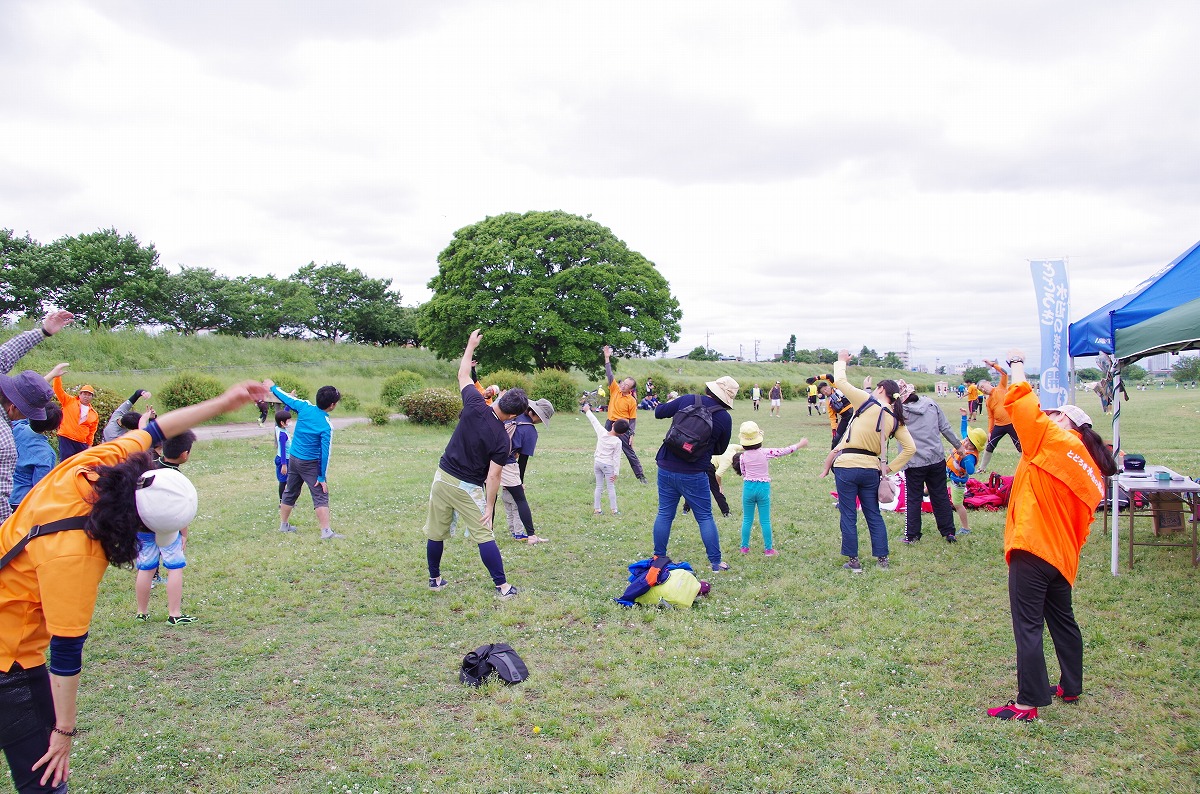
80,420
1058,483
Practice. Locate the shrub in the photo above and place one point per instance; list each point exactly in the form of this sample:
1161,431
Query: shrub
349,402
398,385
431,406
187,388
506,379
662,386
291,385
379,414
558,387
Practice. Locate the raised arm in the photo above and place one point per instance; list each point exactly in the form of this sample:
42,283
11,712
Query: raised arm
172,423
464,365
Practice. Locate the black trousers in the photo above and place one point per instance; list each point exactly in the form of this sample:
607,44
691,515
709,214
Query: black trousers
715,488
999,432
916,479
1040,595
26,717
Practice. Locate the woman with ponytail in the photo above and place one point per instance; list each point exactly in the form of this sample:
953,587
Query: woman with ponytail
856,469
1058,483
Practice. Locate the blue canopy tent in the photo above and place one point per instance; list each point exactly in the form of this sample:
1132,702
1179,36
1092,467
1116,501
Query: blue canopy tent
1162,314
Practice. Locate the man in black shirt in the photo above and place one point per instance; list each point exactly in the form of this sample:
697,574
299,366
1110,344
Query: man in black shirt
468,476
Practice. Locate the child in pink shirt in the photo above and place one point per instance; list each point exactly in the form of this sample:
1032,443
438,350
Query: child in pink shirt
756,488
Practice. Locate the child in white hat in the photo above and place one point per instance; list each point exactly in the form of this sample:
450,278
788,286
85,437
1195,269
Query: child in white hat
756,488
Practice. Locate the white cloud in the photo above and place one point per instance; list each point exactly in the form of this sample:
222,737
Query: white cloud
845,173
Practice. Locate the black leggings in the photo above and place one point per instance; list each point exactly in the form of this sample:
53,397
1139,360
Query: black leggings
999,432
27,711
517,492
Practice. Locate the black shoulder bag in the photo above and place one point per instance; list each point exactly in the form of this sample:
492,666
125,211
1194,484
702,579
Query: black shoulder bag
74,522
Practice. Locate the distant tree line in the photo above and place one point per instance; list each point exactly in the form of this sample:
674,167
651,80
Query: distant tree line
111,280
866,357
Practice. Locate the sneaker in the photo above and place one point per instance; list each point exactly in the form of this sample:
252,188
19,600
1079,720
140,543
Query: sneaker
143,617
963,531
720,566
744,549
853,565
1058,693
157,580
643,480
725,514
687,508
437,583
883,562
329,534
907,541
503,596
951,539
520,536
1009,711
286,528
769,552
179,620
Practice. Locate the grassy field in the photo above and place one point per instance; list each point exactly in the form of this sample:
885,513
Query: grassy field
329,667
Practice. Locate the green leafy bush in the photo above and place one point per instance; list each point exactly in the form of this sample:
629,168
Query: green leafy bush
187,388
379,414
431,406
349,402
398,385
558,387
292,385
506,379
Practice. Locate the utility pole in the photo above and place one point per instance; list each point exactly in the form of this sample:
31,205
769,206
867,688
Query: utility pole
756,341
707,342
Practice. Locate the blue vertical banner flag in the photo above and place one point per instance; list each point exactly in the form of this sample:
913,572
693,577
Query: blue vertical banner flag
1054,306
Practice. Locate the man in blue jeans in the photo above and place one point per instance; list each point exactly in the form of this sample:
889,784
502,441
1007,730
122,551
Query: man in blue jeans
682,479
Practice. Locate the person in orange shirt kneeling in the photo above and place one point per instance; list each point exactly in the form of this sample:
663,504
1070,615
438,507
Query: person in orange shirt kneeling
1057,485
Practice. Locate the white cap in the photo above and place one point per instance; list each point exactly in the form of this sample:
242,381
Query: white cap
1074,413
166,502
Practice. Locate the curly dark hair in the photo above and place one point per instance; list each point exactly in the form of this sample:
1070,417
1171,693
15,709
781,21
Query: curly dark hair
114,521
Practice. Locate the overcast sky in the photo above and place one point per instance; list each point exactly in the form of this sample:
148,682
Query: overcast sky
847,172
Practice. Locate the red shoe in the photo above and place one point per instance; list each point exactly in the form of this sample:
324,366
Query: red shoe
1058,693
1009,711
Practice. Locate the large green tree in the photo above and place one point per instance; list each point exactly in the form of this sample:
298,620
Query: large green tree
196,299
106,278
270,306
550,289
24,268
344,299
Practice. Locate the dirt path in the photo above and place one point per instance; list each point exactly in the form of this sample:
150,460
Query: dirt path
252,429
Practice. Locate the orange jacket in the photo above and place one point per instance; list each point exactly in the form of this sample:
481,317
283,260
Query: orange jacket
84,432
1055,490
997,415
51,587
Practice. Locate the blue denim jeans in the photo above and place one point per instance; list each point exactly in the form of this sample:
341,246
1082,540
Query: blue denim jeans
863,485
673,486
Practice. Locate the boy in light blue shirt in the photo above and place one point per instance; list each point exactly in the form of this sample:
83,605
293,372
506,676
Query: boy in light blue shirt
308,457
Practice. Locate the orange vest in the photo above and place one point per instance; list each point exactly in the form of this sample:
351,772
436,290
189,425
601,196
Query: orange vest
1055,490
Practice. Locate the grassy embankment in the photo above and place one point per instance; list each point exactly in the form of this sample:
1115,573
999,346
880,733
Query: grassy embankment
321,667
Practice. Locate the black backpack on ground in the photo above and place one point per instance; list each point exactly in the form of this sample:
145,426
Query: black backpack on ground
498,658
690,436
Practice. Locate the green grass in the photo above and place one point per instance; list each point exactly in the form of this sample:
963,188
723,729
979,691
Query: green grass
320,667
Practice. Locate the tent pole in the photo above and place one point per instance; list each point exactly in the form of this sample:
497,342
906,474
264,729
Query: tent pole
1116,507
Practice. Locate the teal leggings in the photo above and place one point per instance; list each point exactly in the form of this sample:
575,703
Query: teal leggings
756,493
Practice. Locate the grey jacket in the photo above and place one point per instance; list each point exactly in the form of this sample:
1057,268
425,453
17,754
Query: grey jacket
928,426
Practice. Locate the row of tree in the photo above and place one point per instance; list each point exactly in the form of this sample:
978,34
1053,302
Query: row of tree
109,279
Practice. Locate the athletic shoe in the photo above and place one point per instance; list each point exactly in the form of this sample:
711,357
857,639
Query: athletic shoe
720,566
725,514
1058,693
286,528
437,583
951,539
157,580
963,531
179,620
853,565
329,534
143,617
643,480
744,549
520,536
1009,711
883,562
769,552
512,591
687,508
907,541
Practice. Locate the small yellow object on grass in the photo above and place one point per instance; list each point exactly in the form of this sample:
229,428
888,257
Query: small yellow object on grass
537,728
